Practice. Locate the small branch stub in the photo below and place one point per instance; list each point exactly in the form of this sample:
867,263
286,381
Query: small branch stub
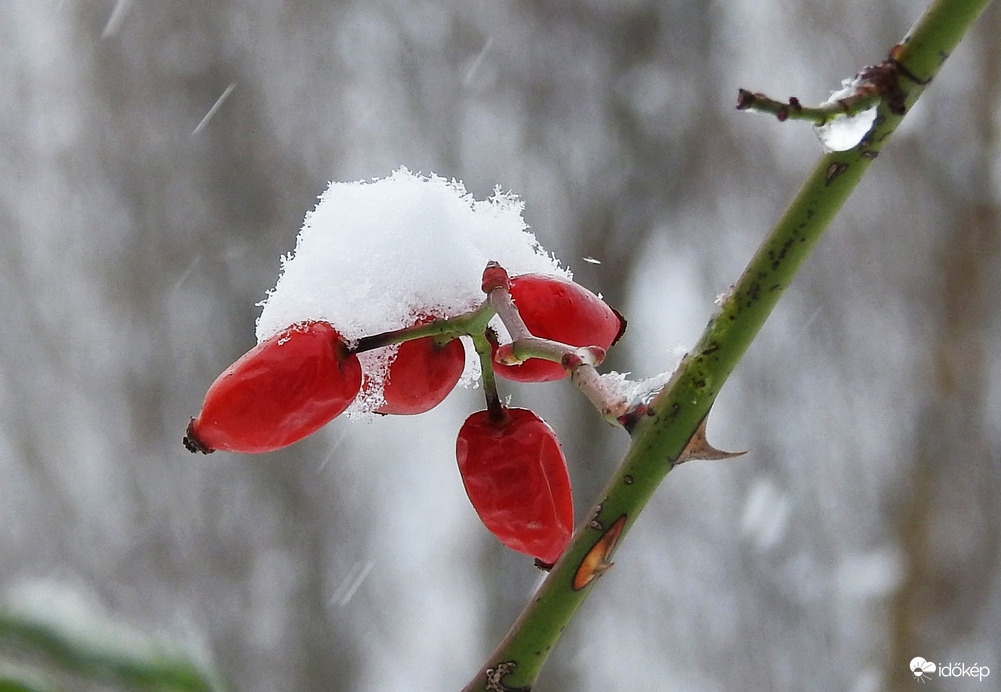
875,83
794,110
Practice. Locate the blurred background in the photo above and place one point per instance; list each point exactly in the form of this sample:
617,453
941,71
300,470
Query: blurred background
159,158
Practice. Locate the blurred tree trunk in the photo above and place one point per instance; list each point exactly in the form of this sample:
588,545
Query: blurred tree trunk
947,516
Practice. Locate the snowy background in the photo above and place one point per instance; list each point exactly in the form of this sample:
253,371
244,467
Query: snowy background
859,532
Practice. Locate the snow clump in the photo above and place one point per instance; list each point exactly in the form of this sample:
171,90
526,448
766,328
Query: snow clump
374,256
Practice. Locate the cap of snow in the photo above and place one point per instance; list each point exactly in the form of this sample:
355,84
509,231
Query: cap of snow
374,256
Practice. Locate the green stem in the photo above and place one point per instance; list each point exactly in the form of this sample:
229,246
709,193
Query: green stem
673,417
524,348
470,323
487,377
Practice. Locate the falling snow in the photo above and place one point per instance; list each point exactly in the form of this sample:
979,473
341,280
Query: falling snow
214,109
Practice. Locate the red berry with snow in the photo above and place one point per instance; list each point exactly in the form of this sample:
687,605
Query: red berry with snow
282,390
560,310
422,375
516,477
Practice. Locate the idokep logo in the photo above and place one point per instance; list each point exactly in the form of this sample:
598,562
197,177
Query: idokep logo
923,670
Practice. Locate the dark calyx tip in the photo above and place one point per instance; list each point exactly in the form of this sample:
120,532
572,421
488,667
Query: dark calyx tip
543,565
192,443
622,326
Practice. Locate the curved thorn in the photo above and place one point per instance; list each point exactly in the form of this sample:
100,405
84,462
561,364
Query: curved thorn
699,448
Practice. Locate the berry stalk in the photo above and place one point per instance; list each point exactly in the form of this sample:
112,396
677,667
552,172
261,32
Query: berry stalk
446,328
485,352
578,361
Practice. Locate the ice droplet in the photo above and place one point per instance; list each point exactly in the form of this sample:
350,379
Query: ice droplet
844,132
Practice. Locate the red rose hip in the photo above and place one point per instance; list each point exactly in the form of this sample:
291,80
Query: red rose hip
560,310
422,375
516,477
277,393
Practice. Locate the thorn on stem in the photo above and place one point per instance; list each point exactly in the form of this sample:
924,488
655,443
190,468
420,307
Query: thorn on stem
699,448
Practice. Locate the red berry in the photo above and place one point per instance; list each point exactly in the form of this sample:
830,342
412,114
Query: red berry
516,477
422,375
277,393
560,310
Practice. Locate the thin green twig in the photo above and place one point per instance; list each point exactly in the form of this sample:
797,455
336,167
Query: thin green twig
794,110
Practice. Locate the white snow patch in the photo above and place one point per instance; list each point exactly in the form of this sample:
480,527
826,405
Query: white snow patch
636,392
721,298
372,256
